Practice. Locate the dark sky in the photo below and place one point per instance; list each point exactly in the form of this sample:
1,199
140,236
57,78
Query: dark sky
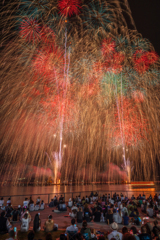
146,15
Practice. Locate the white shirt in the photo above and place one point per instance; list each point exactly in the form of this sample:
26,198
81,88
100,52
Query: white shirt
74,208
25,224
150,212
71,228
25,203
8,202
115,234
117,218
1,203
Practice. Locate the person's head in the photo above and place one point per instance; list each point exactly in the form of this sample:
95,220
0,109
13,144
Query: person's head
63,237
84,224
11,234
25,216
143,229
31,235
134,230
128,236
3,214
50,217
93,231
126,214
26,199
78,236
73,221
9,198
1,198
114,226
124,230
48,236
80,209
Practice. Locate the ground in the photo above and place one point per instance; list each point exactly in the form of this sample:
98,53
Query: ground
62,222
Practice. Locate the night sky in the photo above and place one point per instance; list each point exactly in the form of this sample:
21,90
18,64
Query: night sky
146,15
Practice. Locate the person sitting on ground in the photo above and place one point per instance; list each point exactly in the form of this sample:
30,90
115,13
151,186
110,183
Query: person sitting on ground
133,197
116,216
156,229
25,203
150,211
70,203
11,235
36,207
1,202
73,213
51,204
49,236
37,223
124,230
72,227
144,235
87,213
134,231
115,234
62,206
24,210
38,200
74,207
97,215
62,237
61,199
42,205
31,201
133,213
49,224
9,202
126,219
86,232
109,216
25,222
83,201
87,199
79,215
93,234
31,235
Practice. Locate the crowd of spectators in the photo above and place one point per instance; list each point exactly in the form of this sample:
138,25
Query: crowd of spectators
114,210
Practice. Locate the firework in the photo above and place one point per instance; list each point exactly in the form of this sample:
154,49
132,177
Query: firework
73,76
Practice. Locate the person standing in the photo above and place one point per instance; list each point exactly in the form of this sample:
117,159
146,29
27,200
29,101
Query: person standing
37,223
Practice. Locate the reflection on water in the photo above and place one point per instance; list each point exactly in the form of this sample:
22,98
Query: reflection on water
70,191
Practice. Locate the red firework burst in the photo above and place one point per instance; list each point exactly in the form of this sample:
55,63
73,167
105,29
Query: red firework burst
112,59
30,30
108,47
69,7
142,60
